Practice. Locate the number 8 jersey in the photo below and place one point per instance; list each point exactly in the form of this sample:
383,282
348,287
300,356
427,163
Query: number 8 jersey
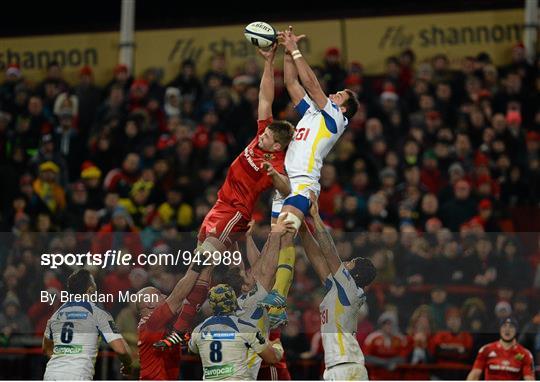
316,133
75,329
224,342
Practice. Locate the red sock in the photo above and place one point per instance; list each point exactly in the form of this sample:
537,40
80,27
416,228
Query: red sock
190,307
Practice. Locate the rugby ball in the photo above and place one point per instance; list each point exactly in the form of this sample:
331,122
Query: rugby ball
260,34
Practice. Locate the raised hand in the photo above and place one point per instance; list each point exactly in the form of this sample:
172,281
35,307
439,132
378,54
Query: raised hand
269,54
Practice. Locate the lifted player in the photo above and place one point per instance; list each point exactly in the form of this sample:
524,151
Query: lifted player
344,283
324,119
258,168
72,333
223,339
504,359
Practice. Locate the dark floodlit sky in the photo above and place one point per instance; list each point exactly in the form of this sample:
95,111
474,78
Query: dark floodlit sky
28,17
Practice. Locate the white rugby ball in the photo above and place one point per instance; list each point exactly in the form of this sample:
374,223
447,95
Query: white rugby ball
260,34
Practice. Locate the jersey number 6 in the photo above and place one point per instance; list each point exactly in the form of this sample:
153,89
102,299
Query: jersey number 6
67,332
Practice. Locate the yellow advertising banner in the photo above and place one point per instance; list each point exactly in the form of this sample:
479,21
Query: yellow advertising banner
371,40
367,40
98,50
168,48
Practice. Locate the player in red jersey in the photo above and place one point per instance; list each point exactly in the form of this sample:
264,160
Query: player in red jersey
504,359
258,168
277,371
157,313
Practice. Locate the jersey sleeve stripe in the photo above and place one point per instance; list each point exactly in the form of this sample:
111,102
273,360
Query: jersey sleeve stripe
330,122
302,107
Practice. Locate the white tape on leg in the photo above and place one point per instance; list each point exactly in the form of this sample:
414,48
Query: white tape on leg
292,218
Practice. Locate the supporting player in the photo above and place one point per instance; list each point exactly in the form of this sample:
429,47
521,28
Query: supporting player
344,283
259,167
72,333
324,119
262,272
504,359
156,317
221,339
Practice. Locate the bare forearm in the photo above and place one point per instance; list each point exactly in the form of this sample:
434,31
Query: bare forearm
326,242
252,251
266,91
182,289
313,253
307,76
269,260
290,74
281,183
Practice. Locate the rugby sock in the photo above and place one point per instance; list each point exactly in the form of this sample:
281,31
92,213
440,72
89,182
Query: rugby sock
285,269
191,304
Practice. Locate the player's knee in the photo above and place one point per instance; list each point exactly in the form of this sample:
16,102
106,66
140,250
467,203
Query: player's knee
297,202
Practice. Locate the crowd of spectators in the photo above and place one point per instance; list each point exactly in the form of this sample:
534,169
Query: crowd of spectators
424,182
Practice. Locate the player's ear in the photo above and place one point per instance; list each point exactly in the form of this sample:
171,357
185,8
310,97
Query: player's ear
277,146
343,109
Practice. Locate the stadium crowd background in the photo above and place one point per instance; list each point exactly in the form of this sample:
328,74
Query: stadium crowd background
425,182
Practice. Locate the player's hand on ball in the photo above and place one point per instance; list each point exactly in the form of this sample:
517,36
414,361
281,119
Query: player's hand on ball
269,54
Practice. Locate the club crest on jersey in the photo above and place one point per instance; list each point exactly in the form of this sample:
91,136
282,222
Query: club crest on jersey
519,357
268,156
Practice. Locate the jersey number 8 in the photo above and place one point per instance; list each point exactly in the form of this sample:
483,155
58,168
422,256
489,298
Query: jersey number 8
215,351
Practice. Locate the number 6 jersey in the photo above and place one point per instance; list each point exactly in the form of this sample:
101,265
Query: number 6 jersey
75,329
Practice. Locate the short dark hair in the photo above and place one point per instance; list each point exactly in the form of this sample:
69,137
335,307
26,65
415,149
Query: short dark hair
364,272
283,132
351,105
222,274
79,281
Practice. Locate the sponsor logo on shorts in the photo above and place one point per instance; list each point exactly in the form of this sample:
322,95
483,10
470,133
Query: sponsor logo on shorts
67,349
218,372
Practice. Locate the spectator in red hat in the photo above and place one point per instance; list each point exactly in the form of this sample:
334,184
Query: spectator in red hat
333,70
89,96
121,77
485,217
519,63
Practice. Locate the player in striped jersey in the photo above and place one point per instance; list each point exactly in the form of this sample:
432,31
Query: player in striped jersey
224,340
344,283
324,119
72,335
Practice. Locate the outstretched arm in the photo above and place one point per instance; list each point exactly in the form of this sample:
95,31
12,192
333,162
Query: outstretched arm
290,77
325,240
183,287
306,74
314,253
266,91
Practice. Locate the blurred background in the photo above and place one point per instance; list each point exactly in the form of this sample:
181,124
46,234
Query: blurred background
124,117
